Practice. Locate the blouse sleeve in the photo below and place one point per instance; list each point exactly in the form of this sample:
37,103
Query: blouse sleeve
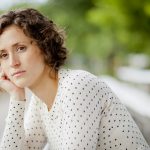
95,119
15,136
117,128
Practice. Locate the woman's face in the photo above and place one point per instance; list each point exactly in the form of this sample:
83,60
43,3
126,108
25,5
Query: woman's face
18,52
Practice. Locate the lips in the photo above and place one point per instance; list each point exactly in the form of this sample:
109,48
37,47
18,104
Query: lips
18,72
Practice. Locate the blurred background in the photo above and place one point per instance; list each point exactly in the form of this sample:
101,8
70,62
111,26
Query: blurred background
109,38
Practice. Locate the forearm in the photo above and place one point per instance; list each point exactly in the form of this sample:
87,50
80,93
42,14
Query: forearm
19,135
13,137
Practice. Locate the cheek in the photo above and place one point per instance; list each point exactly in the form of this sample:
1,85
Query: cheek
35,65
33,57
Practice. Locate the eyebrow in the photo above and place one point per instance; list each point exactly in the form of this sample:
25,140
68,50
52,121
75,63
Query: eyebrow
14,45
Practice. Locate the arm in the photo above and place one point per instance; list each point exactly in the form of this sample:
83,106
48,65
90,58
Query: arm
95,119
15,136
117,129
13,133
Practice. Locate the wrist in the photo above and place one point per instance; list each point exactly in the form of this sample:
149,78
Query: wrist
18,96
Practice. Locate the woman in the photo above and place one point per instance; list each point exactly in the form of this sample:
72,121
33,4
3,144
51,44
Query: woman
69,109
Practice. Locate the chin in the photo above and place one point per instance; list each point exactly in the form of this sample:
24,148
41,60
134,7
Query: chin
20,84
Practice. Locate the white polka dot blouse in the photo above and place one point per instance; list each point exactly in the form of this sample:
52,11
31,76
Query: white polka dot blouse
85,115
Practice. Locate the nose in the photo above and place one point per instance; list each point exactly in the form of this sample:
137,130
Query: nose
14,60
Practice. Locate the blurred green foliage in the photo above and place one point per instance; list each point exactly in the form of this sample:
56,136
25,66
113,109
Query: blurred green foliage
102,31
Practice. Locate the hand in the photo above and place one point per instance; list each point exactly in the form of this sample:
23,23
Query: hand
7,85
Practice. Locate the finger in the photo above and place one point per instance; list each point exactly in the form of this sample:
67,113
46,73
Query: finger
2,75
1,89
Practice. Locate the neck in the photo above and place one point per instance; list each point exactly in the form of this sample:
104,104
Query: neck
46,88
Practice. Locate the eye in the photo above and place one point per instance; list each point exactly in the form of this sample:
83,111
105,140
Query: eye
21,48
3,55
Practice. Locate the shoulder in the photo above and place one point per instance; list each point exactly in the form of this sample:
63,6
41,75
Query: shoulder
77,80
76,75
82,89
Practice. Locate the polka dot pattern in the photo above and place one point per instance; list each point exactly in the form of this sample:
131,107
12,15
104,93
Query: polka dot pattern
85,115
12,138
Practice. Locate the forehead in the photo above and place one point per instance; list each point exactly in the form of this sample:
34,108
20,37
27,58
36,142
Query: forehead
12,35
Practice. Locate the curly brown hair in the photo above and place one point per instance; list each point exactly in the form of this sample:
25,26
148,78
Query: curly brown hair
46,34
